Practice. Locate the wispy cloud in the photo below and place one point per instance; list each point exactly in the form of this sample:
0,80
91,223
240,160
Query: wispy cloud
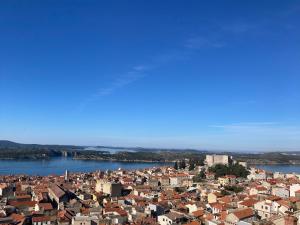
238,27
172,56
122,81
221,36
190,46
140,68
203,42
135,74
185,52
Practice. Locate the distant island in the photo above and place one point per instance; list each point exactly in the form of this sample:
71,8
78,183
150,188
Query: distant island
18,151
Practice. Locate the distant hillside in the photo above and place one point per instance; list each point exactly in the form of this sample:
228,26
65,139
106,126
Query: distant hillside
4,144
12,150
145,149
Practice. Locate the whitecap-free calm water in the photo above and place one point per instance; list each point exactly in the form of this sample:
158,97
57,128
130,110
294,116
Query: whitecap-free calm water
60,164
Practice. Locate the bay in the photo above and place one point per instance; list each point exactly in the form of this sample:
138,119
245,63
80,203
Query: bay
288,168
58,166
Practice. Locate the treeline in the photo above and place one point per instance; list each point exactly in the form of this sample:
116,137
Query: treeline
269,158
28,153
12,150
157,156
9,145
232,169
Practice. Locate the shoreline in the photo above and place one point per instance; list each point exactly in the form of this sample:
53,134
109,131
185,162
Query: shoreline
86,159
137,160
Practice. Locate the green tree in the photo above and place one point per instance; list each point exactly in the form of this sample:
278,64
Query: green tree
200,162
176,165
235,169
224,192
191,166
233,188
202,174
199,177
182,164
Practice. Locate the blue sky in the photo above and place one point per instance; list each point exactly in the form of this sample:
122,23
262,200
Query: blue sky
184,74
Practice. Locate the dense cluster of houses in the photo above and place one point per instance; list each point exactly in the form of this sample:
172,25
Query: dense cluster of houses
151,196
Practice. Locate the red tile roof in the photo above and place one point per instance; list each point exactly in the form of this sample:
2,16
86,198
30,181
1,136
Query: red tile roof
249,203
198,213
41,219
22,203
244,213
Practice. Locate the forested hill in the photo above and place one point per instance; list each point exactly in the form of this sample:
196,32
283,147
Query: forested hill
13,150
4,144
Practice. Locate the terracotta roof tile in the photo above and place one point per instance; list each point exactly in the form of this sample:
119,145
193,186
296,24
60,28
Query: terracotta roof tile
244,213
